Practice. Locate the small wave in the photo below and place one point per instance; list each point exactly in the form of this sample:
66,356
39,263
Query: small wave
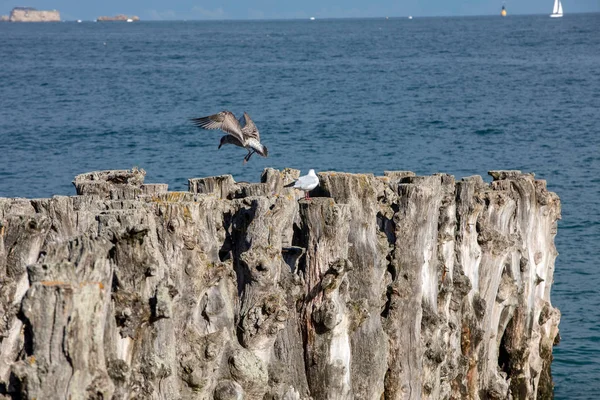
489,131
582,225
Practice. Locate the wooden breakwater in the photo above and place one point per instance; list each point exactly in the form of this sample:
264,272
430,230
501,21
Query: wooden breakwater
395,287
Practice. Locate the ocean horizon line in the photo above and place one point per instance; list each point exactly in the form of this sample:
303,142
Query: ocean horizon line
310,19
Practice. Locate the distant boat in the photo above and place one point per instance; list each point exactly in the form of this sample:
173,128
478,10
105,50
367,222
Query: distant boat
557,11
312,18
410,17
78,21
503,12
129,20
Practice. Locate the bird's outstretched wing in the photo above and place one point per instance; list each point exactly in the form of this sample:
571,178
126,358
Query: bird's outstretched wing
249,129
225,121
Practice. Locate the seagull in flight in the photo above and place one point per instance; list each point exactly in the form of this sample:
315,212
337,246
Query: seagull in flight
306,183
241,133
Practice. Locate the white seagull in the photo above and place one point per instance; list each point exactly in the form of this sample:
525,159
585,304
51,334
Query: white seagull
306,183
241,133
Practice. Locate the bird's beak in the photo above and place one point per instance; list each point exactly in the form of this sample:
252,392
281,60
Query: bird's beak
219,146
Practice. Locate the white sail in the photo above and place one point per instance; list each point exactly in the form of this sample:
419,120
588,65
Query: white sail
557,11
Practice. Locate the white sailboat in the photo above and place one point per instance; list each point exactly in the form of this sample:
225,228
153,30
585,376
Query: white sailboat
557,11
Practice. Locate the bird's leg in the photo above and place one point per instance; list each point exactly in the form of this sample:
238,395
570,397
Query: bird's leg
306,195
247,158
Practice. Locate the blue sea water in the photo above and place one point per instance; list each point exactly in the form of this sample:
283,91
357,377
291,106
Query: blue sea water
455,95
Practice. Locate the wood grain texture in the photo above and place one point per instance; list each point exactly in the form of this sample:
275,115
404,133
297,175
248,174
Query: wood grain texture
393,287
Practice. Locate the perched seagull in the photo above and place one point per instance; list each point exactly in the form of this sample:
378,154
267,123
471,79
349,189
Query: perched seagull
306,183
241,133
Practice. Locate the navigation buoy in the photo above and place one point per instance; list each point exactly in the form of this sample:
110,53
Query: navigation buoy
503,12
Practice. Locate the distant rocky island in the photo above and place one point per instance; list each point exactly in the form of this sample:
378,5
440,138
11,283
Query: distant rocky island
29,14
119,17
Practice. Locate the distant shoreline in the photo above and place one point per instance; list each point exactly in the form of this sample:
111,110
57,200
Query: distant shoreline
118,18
